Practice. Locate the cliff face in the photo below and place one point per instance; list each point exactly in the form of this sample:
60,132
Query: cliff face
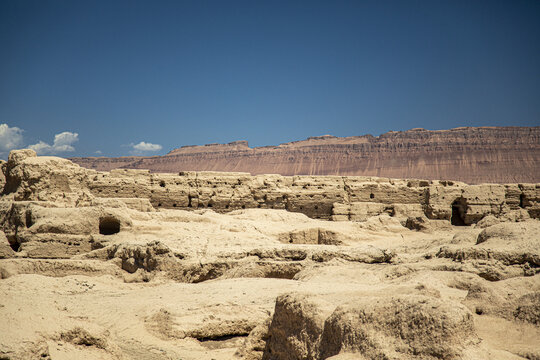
472,155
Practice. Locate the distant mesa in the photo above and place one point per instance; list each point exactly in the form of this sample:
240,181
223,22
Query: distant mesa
235,145
323,137
469,154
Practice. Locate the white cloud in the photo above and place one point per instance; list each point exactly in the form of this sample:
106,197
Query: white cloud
145,147
10,138
41,148
99,152
63,142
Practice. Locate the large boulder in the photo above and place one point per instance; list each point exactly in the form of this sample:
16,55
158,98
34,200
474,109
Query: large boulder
297,327
409,326
402,326
45,178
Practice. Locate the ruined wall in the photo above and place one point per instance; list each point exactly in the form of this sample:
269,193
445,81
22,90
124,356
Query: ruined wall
323,197
28,177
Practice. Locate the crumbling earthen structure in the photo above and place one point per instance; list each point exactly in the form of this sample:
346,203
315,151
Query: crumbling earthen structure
319,197
206,265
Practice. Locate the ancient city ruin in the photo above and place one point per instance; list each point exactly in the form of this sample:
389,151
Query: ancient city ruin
201,265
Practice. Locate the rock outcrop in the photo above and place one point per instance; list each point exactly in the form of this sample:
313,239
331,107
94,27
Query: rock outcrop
403,326
472,155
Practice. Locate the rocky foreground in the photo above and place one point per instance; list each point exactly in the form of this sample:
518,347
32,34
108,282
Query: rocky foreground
473,155
130,264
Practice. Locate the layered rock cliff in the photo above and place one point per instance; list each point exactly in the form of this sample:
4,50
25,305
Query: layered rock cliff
472,155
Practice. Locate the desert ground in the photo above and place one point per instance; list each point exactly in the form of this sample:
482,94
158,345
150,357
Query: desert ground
133,265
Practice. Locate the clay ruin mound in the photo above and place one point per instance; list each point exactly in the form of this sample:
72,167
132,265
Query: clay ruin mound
472,155
130,264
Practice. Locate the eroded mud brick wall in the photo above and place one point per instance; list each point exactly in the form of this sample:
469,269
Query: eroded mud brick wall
324,197
28,177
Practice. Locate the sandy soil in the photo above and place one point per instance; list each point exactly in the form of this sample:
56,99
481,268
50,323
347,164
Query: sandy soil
93,306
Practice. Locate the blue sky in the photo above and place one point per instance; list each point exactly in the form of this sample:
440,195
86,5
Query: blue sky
87,78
